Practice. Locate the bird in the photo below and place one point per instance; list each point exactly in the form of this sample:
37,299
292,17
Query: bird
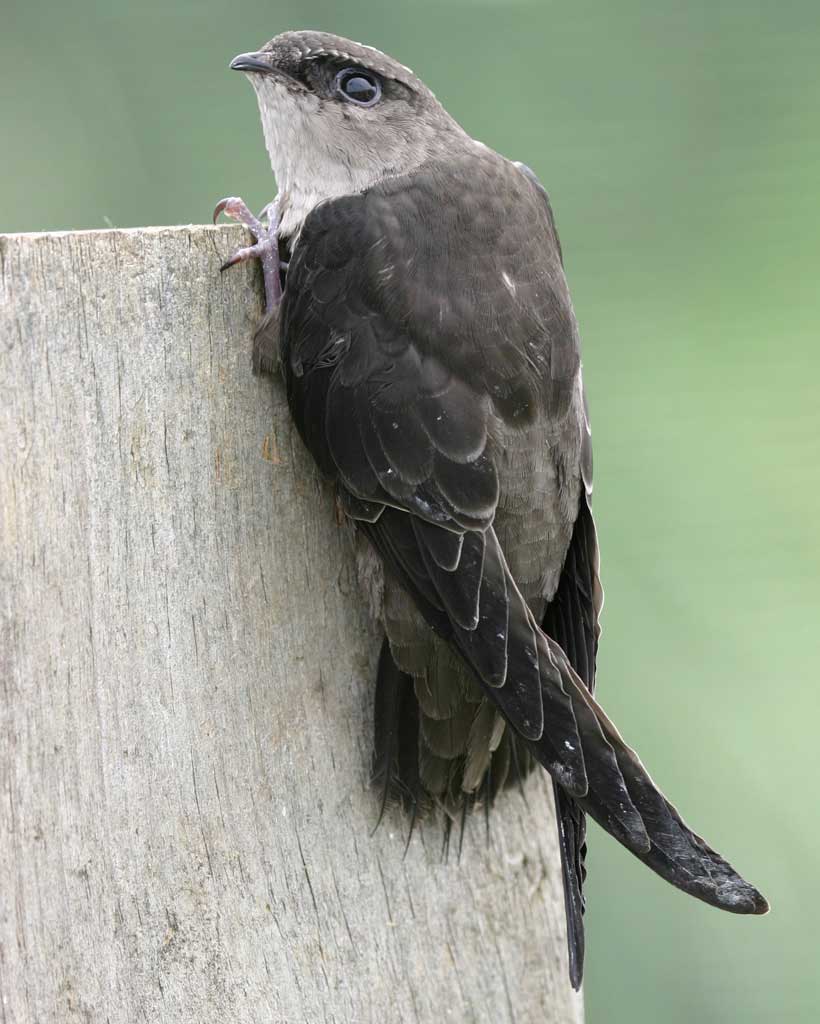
419,312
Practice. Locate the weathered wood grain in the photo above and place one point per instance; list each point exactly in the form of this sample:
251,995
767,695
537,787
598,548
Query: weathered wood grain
186,678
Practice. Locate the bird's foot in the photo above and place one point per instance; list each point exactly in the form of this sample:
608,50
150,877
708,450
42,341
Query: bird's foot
265,230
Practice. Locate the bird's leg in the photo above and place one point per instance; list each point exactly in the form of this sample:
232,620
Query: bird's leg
265,248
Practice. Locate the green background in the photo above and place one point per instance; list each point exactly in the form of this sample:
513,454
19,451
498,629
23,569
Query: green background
680,143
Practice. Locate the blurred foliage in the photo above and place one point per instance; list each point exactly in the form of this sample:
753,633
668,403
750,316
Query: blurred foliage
681,146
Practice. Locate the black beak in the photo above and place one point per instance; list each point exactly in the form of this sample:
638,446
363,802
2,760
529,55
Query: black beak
251,62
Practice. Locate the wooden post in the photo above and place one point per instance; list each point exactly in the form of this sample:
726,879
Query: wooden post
186,676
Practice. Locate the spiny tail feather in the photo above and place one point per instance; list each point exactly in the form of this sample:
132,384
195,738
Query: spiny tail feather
395,759
405,769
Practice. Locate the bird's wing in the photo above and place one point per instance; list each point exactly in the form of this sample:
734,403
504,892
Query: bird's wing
411,319
572,619
398,353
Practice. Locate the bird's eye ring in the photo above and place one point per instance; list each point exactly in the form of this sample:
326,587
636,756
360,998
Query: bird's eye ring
359,86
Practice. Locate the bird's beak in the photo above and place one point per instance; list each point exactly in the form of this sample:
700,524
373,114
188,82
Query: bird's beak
252,62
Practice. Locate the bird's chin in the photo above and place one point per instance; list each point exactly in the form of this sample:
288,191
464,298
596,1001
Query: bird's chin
285,106
276,82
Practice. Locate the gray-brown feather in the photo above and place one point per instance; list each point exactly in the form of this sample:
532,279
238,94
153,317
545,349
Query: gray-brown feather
412,328
540,484
432,365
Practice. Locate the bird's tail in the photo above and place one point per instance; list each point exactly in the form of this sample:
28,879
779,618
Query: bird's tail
530,679
395,756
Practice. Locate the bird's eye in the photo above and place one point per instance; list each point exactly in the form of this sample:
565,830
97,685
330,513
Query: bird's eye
358,86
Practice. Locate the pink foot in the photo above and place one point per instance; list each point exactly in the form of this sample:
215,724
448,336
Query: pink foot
266,247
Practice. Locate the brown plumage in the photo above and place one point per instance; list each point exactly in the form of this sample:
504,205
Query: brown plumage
432,363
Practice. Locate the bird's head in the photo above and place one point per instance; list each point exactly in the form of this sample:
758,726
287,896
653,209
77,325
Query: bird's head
339,116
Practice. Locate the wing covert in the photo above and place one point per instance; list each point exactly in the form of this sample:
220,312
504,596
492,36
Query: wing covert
401,349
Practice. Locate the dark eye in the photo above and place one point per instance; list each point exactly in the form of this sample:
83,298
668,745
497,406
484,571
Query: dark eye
358,86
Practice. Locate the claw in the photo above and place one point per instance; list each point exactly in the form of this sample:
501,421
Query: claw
220,206
235,208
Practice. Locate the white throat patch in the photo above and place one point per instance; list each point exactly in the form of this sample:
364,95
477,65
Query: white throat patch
310,162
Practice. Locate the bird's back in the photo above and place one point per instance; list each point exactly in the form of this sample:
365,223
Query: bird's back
489,272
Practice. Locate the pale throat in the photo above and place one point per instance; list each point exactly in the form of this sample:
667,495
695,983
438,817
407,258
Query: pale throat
307,157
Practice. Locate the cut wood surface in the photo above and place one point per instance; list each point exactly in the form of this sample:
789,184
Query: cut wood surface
186,676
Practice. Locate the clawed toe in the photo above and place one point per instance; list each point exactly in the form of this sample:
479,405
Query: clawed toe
266,238
250,252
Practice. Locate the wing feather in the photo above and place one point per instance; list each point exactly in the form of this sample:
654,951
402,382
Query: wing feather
396,382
